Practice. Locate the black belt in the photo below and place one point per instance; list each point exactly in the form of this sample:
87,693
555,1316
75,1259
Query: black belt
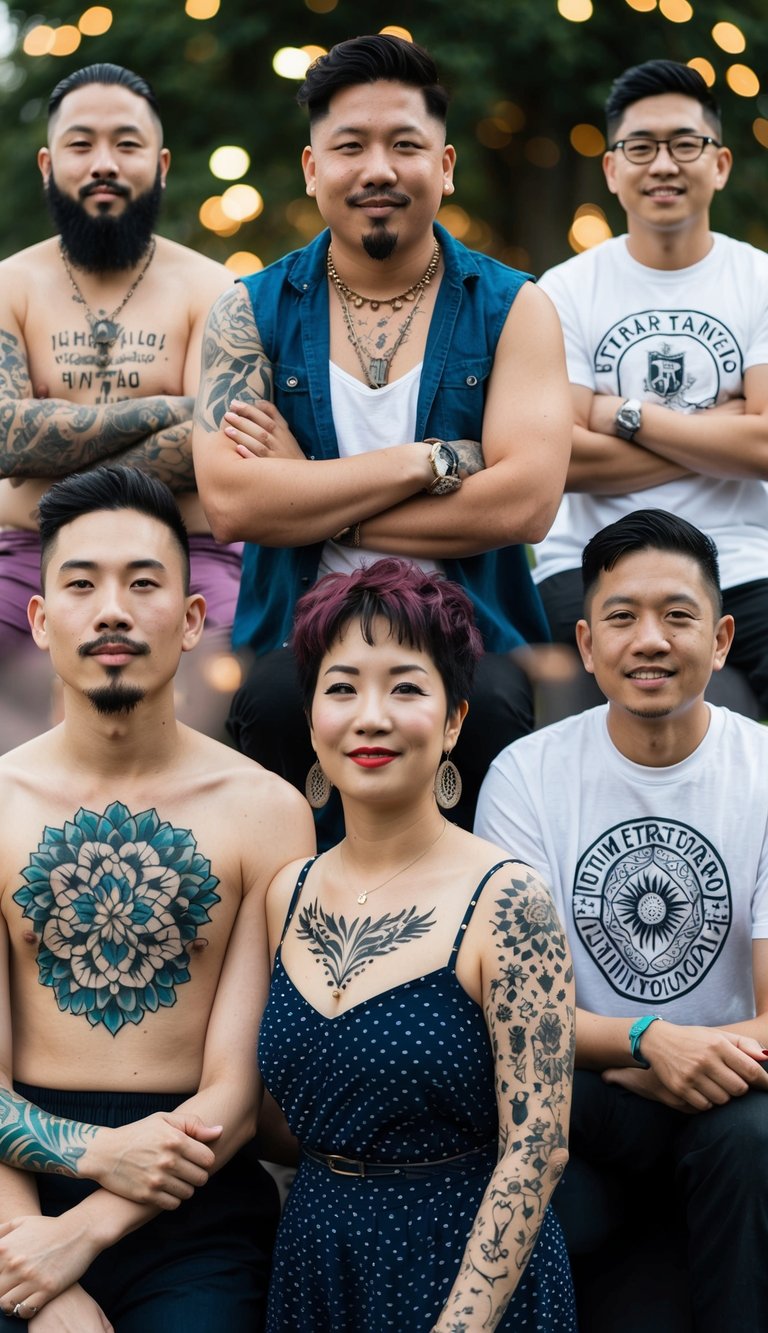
350,1166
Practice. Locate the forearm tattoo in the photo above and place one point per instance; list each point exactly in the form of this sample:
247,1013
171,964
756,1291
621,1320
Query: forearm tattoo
530,1017
346,949
166,455
32,1140
117,901
51,437
470,456
233,364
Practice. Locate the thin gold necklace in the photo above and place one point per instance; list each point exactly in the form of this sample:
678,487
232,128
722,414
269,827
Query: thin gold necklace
365,894
104,330
396,302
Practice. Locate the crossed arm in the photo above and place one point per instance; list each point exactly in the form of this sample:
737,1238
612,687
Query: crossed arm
528,1006
256,483
728,440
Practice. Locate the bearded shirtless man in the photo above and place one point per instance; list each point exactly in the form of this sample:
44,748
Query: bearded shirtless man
134,857
100,335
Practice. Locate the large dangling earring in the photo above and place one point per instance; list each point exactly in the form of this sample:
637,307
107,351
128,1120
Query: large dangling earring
317,787
447,784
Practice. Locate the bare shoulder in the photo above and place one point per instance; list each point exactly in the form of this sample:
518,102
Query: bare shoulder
206,277
27,272
532,314
510,885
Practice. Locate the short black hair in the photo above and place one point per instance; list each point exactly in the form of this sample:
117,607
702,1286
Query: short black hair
104,73
112,488
652,79
650,530
366,60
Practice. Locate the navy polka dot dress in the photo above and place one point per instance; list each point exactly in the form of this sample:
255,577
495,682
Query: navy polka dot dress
405,1076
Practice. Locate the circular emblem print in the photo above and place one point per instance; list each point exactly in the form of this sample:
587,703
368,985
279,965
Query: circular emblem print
652,905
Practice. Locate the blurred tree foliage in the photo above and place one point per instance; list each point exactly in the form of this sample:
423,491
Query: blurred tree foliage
511,61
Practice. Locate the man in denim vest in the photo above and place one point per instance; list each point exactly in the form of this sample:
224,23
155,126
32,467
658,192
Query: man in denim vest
382,391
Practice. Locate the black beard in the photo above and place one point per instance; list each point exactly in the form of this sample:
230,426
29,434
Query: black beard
104,244
115,698
379,244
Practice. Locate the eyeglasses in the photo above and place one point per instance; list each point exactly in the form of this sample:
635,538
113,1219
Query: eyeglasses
681,147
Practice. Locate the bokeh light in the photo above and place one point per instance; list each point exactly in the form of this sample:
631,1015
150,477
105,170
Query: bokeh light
321,6
493,132
241,203
213,217
229,163
587,140
729,38
542,151
589,228
455,219
742,80
223,671
66,39
512,114
677,11
576,11
39,40
95,21
243,262
705,68
760,131
642,6
202,9
291,62
394,30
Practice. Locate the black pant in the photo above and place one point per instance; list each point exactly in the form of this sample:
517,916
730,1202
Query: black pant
744,690
649,1191
267,723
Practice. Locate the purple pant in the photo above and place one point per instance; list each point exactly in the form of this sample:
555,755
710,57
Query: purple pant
215,573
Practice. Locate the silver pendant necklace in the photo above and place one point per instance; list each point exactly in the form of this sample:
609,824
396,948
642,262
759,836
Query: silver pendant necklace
365,894
104,329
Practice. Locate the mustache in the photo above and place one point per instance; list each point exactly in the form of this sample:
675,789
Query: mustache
93,186
375,192
95,645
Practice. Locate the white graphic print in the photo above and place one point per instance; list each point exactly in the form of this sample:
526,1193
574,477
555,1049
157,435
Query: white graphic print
652,906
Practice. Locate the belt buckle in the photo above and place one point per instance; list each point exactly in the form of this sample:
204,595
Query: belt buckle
337,1165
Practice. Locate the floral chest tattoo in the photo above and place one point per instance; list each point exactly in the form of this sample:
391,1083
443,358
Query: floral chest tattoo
117,900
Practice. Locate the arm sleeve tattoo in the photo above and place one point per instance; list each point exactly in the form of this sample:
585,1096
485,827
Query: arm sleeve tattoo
233,361
32,1140
166,455
529,1012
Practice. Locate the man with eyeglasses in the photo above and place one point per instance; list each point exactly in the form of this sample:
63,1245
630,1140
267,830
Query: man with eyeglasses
666,333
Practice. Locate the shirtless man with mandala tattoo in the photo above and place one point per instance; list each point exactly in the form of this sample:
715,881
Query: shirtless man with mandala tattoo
100,334
133,959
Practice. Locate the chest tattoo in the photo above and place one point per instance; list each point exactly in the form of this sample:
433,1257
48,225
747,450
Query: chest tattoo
346,949
117,900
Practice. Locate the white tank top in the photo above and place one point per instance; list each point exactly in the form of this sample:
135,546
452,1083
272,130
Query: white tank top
367,419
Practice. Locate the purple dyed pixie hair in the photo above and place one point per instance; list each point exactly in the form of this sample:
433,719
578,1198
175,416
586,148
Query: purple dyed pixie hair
423,610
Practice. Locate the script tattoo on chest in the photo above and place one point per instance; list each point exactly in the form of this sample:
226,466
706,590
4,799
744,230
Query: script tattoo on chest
346,949
117,900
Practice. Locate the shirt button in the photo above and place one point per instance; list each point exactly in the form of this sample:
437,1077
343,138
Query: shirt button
292,381
471,381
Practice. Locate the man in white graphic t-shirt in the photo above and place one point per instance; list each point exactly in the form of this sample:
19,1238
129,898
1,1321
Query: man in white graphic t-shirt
648,816
666,334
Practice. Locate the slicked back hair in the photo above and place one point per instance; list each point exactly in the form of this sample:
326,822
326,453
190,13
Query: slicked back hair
366,60
109,488
108,74
650,530
653,79
423,610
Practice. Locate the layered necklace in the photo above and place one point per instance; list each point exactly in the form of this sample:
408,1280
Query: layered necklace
104,329
376,368
365,894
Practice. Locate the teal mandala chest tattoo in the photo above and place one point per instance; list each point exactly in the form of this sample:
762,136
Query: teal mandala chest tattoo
117,899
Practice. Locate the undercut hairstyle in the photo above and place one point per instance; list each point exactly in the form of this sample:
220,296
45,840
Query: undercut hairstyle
108,74
653,79
423,610
109,488
366,60
650,530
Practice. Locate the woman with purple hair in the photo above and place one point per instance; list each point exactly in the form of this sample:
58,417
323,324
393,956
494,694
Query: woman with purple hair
419,1031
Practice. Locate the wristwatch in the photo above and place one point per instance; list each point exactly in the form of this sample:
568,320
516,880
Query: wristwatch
635,1033
445,465
629,418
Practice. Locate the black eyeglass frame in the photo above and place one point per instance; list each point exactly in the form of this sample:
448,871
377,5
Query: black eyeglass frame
704,139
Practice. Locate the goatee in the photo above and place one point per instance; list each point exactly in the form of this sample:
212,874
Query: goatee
104,244
379,244
116,698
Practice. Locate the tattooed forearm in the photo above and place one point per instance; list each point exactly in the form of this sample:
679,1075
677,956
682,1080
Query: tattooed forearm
345,950
233,363
529,1012
32,1140
166,455
470,456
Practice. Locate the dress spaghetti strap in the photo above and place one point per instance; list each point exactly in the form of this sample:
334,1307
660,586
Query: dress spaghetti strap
305,869
460,933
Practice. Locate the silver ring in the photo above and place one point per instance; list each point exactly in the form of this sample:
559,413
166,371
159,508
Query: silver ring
22,1305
